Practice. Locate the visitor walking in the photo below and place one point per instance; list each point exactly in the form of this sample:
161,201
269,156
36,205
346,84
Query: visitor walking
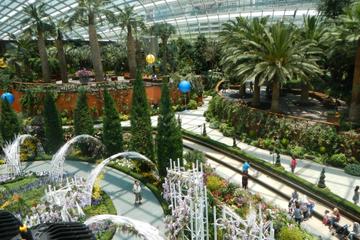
355,233
356,195
245,177
293,164
137,192
298,214
245,167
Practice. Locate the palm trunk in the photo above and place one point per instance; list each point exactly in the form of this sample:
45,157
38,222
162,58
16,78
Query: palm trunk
131,52
354,114
256,94
62,59
95,50
304,93
43,57
275,106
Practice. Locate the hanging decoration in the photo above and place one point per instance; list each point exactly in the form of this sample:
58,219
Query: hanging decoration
9,97
184,86
150,58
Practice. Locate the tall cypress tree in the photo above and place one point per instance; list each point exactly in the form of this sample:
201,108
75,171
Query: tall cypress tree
83,122
53,130
9,123
169,139
112,131
141,131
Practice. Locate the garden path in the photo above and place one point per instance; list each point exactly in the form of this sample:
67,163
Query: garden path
119,187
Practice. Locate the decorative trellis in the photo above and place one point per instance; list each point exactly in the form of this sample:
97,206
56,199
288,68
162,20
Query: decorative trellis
186,192
234,227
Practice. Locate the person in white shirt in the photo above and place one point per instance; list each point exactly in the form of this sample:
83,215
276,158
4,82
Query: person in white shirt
137,192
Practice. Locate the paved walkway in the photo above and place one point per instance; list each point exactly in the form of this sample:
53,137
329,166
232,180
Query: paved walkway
119,187
337,180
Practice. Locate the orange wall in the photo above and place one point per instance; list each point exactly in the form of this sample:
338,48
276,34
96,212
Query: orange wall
67,101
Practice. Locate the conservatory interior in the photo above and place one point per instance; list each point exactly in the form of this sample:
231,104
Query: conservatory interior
179,119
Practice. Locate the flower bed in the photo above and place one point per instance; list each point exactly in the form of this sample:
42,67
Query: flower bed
298,137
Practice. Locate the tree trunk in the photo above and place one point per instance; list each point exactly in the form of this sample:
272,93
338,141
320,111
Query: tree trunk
62,60
95,50
354,114
304,93
256,94
131,52
275,106
43,57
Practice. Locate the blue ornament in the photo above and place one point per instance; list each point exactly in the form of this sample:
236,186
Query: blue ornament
184,86
8,97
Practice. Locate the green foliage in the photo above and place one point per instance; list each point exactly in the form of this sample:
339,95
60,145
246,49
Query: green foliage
83,123
214,183
227,130
338,160
106,206
191,157
333,8
112,131
199,56
168,139
192,104
353,169
53,130
141,131
30,103
290,233
321,183
9,122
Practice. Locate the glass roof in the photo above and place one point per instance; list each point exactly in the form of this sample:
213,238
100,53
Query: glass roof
189,16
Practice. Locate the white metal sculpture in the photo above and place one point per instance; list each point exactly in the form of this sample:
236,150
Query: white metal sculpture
95,173
57,161
12,155
141,229
186,192
234,227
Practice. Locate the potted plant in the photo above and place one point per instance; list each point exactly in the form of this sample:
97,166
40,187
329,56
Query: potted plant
84,75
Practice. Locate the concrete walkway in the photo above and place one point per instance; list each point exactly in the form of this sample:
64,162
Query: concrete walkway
119,187
337,180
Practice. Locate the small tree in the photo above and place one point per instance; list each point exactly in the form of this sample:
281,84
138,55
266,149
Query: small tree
169,139
321,183
141,131
53,130
83,122
278,161
112,131
9,123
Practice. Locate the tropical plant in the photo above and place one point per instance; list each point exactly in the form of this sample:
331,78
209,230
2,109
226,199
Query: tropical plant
163,31
273,55
88,13
200,47
112,131
351,32
58,29
129,20
83,123
141,131
333,8
115,58
53,130
38,21
169,144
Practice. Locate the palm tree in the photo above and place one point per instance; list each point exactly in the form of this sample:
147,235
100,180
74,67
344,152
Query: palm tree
351,32
58,31
129,20
234,33
37,18
314,30
275,58
164,31
88,13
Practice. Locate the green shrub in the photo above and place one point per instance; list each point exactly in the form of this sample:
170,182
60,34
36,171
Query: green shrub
353,169
193,156
227,130
214,124
297,151
214,183
290,233
192,104
337,160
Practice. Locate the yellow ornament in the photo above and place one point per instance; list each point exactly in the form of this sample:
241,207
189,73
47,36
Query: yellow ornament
2,63
150,59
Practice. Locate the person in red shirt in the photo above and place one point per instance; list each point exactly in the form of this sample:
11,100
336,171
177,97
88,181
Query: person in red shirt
293,164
